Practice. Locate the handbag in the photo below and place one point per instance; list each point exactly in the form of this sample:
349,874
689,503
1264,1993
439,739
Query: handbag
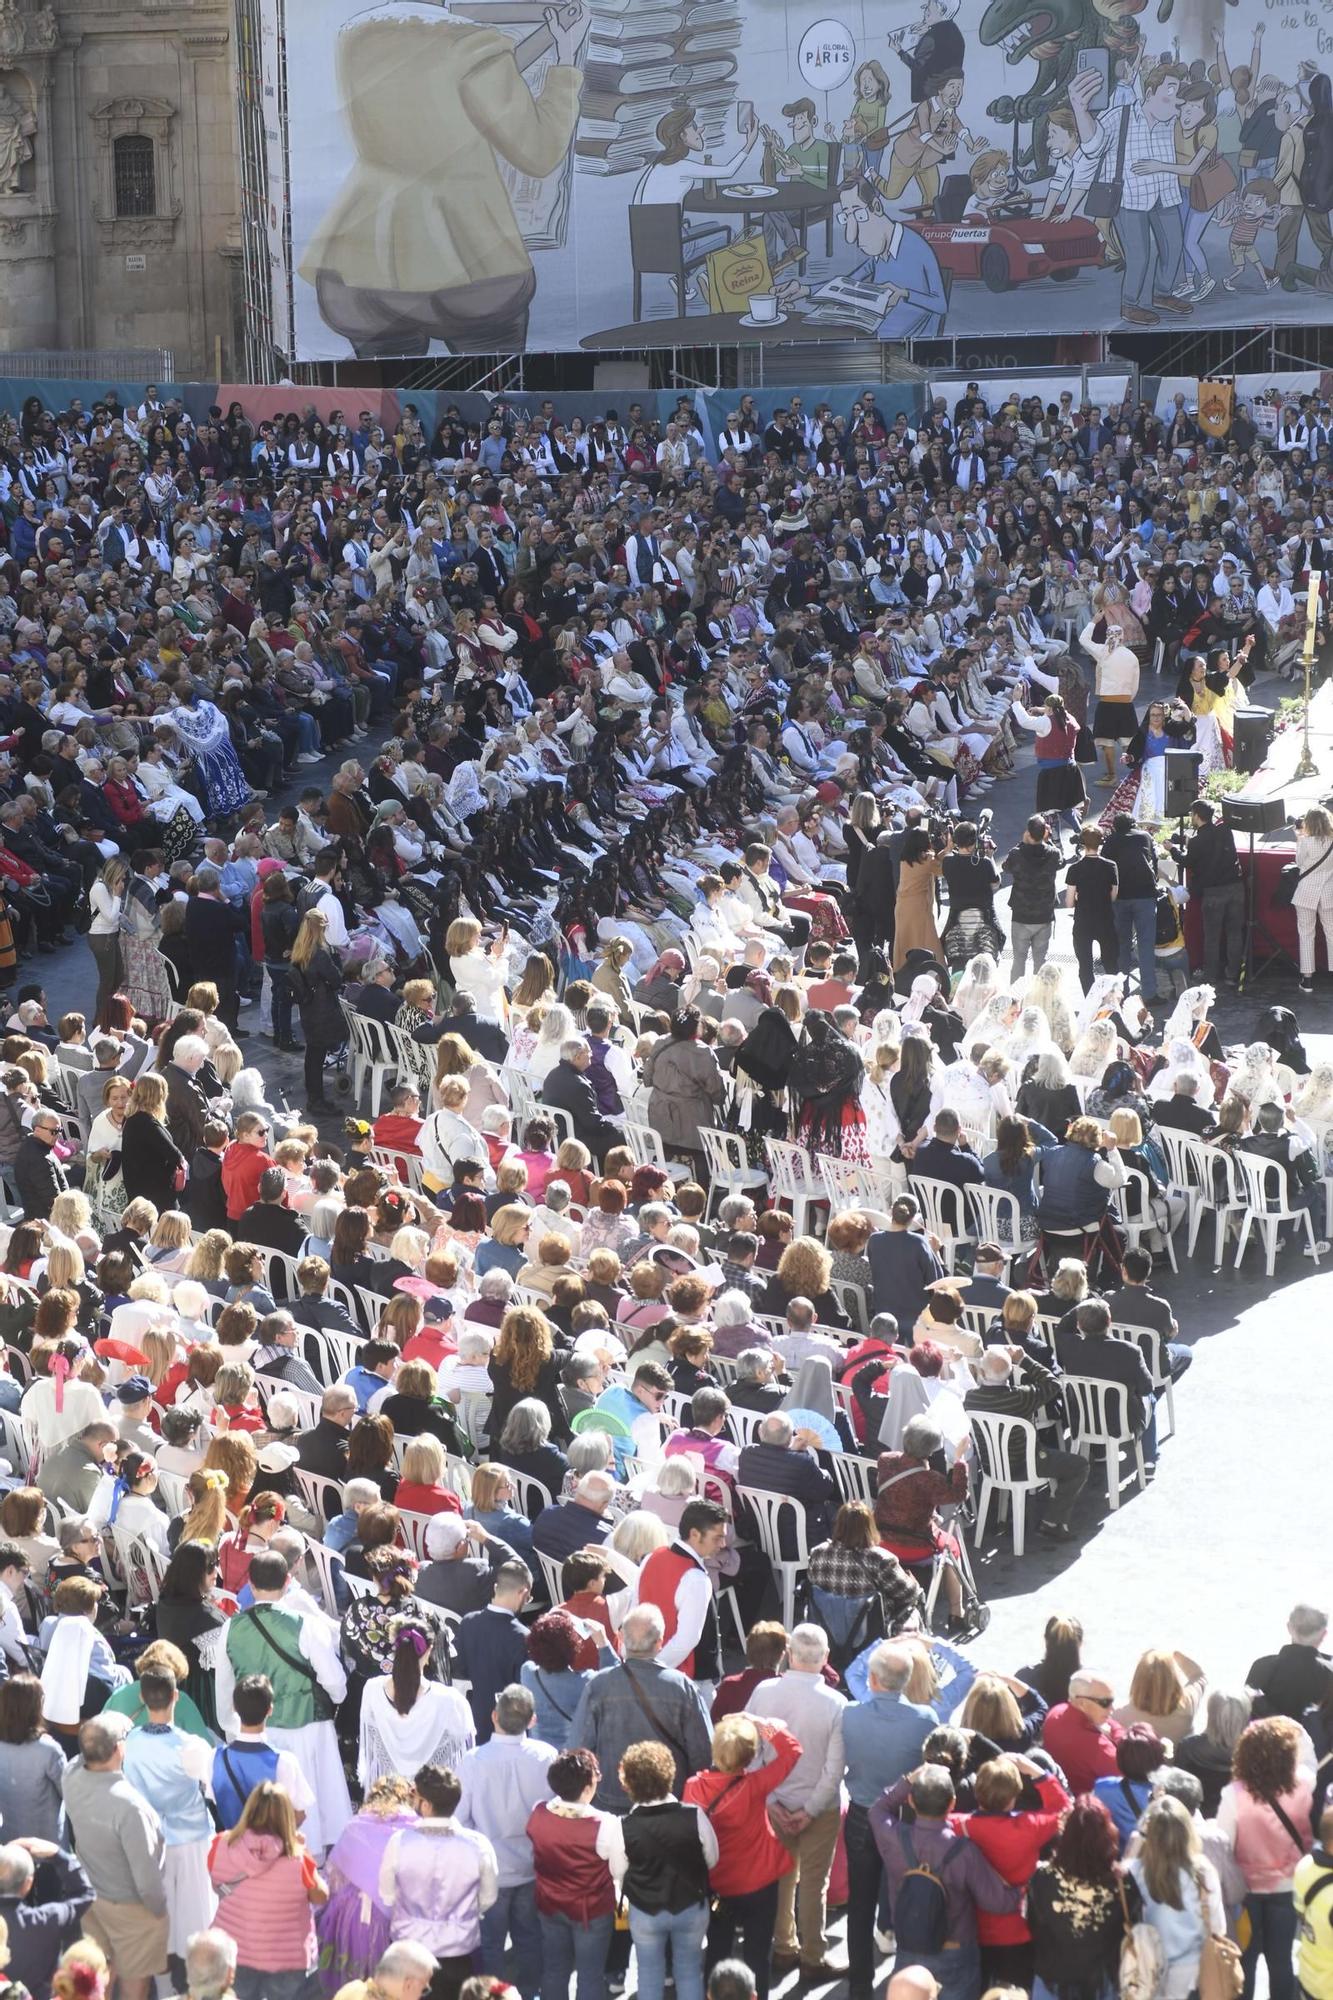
1220,1974
1284,889
1211,184
1103,198
1142,1960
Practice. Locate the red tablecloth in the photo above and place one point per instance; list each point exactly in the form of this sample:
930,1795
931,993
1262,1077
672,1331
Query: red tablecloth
1280,922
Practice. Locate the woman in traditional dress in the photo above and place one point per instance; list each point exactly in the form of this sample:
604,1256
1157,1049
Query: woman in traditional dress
826,1079
1166,726
354,1925
1213,693
763,1067
202,728
407,1721
143,969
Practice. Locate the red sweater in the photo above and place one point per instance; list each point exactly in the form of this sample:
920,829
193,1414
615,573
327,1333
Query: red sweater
242,1167
1012,1843
750,1855
413,1499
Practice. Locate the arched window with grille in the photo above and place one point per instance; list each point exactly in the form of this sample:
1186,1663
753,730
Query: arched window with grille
135,172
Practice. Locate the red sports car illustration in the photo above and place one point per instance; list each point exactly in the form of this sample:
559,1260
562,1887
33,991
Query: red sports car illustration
1009,246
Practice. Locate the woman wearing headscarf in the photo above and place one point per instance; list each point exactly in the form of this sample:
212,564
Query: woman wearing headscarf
609,978
764,1062
660,986
826,1079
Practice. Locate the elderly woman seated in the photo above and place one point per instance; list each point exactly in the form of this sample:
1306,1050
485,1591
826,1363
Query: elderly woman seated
759,1384
525,1446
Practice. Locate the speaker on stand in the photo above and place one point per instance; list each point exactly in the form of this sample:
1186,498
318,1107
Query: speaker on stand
1182,782
1255,818
1253,738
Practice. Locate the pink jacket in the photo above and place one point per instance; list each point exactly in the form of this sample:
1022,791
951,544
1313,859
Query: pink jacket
264,1902
1265,1852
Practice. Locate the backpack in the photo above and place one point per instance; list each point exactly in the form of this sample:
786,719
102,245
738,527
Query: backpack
921,1908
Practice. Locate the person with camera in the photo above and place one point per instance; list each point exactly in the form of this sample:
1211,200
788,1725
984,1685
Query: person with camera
1212,870
1033,866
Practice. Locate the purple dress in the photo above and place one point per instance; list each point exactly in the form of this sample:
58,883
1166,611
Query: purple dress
353,1926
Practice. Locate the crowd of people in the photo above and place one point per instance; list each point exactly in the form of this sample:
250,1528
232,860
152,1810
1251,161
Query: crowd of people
392,1500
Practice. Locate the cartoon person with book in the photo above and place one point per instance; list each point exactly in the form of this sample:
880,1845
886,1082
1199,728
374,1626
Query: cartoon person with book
897,265
422,242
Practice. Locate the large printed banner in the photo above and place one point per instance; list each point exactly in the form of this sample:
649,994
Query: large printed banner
487,176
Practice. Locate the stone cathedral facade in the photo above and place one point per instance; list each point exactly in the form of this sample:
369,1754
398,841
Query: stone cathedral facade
118,179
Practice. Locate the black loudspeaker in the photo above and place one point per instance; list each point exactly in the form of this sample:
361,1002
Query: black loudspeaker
1182,782
1256,816
1253,738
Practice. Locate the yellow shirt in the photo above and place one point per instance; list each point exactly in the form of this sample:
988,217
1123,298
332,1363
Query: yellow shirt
1314,1924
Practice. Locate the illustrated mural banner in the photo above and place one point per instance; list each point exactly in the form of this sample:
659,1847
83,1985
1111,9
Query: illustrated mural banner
486,176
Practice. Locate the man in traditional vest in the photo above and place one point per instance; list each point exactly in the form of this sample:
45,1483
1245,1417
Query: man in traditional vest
299,1653
677,1580
249,1759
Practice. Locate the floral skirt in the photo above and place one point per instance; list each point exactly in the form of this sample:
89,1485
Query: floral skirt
850,1143
827,925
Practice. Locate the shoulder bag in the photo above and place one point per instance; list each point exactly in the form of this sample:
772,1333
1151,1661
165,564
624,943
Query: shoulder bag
1103,198
672,1741
1290,877
1220,1974
1211,183
1142,1960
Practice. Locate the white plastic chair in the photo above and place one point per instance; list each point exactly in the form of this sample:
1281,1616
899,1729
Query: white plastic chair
551,1571
728,1170
172,1487
1258,1175
522,1100
414,1531
379,1058
1182,1174
1152,1346
1205,1164
794,1180
527,1489
324,1497
744,1425
998,1219
945,1209
1099,1422
1133,1210
280,1273
767,1511
852,1298
849,1184
855,1476
405,1167
647,1148
994,1437
328,1568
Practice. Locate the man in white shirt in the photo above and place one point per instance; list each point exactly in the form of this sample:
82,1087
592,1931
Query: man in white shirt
14,1567
804,1809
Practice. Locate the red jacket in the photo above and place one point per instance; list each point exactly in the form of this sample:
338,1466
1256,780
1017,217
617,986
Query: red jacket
1083,1752
1012,1843
750,1855
242,1166
413,1499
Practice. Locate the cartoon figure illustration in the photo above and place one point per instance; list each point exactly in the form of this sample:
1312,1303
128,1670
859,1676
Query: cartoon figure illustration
863,128
932,135
422,242
895,261
938,50
1249,210
991,184
1139,160
805,158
